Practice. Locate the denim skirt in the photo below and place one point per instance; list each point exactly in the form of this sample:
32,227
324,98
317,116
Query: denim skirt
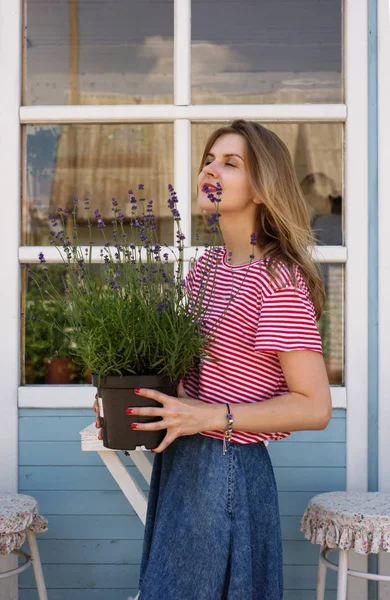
212,528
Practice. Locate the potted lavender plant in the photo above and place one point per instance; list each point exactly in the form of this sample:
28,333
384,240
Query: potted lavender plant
127,319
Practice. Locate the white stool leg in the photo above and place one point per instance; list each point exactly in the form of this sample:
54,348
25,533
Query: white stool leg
36,563
321,578
342,575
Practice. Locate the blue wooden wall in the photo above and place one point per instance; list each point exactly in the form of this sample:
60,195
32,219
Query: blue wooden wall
93,546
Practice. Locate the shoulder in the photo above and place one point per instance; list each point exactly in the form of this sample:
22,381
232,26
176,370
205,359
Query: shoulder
277,278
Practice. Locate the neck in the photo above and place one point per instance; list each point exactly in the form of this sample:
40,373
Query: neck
236,234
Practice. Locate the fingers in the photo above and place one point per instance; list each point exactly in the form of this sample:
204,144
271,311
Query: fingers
96,404
154,395
169,438
146,411
96,410
149,411
97,420
181,391
154,426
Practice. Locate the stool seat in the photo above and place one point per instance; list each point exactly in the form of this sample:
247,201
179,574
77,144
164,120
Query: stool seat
349,521
18,512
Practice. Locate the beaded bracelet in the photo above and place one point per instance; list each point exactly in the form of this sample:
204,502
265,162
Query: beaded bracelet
228,432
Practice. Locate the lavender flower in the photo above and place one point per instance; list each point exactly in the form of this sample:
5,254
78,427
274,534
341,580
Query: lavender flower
213,222
135,277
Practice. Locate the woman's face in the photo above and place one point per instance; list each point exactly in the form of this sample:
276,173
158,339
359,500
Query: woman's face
226,165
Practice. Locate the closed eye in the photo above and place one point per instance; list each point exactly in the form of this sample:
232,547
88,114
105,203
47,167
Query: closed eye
227,164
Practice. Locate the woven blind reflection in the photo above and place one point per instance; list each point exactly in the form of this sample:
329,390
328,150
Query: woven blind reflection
105,161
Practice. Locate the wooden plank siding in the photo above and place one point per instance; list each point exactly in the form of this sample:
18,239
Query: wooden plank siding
93,546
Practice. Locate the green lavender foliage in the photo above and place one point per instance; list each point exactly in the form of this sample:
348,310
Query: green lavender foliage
130,314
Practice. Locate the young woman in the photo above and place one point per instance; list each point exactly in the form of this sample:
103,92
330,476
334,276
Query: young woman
213,527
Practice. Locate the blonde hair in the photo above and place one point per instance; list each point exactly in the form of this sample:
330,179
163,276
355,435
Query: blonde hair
283,223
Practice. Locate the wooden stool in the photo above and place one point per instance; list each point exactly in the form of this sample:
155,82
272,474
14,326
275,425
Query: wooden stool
347,521
19,517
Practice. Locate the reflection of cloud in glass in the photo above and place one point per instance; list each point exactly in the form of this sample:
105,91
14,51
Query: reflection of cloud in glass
251,52
161,50
210,58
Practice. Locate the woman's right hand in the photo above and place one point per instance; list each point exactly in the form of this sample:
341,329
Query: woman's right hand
97,420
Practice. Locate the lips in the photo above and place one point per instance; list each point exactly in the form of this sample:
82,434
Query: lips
209,187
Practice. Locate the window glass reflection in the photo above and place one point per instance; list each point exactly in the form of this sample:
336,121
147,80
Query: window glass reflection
331,324
98,162
98,52
45,349
263,52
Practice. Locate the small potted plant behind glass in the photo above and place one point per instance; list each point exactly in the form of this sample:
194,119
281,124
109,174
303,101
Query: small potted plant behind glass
47,356
130,320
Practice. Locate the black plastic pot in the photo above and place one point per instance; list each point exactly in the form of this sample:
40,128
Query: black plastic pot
115,395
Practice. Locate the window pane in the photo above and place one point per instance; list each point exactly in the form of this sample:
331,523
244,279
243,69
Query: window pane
331,324
266,51
99,52
41,341
317,152
99,162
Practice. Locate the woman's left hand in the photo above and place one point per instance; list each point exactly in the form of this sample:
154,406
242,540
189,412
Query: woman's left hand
180,416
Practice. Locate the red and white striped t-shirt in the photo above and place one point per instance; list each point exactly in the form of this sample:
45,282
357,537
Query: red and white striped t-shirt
262,319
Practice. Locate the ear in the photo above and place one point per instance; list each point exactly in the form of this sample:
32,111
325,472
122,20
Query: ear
257,200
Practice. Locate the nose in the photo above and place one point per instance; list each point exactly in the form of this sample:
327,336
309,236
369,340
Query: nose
211,169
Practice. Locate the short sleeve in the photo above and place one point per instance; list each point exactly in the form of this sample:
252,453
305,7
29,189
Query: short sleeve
287,322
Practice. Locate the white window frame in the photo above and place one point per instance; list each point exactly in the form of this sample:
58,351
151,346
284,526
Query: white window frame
10,183
383,222
182,114
383,266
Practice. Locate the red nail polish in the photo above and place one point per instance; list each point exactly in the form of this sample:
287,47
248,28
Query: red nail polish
136,390
96,397
134,425
129,411
152,451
